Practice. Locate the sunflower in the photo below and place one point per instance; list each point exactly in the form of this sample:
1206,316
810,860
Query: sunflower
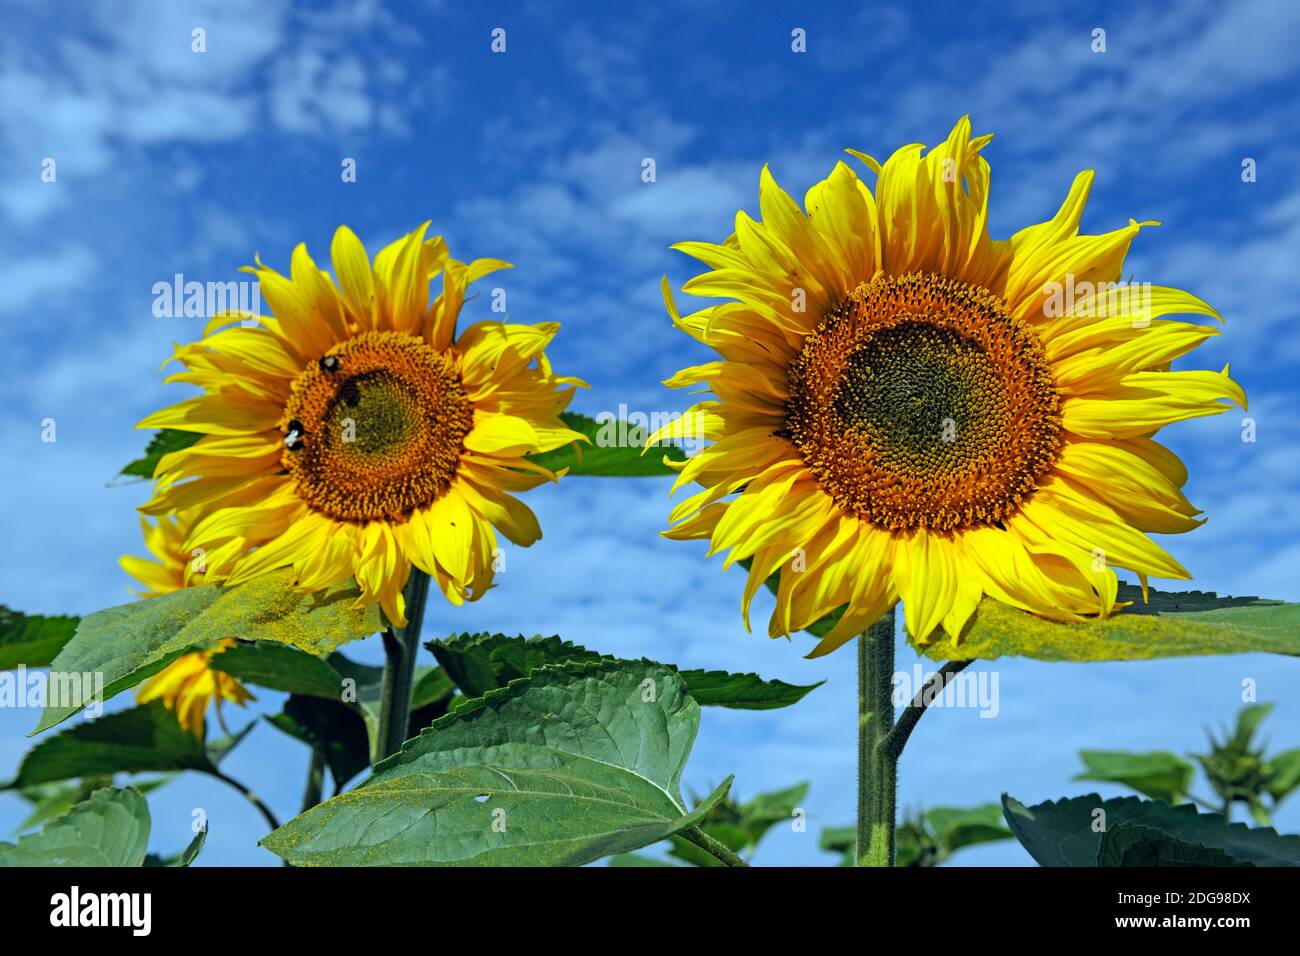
189,683
908,409
354,433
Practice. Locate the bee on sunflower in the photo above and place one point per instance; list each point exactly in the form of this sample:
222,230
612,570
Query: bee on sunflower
903,409
356,432
188,684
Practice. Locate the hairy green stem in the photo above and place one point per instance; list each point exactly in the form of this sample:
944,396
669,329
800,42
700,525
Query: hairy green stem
877,765
718,851
400,646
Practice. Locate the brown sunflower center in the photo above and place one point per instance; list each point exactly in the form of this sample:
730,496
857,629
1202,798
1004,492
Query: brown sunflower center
376,429
921,403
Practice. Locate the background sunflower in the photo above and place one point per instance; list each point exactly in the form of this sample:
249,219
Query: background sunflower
187,685
355,433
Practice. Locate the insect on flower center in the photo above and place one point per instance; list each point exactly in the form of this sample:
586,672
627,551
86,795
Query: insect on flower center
376,428
919,402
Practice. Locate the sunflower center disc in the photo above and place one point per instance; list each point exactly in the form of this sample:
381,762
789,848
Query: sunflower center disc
921,403
382,428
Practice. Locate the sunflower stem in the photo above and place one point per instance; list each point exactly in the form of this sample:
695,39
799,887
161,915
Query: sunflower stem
716,849
400,646
877,763
915,710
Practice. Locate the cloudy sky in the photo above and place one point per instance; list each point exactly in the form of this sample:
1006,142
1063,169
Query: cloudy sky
169,161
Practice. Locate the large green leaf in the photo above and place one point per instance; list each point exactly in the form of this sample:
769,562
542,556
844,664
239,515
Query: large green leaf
130,741
1171,625
163,442
614,452
1069,832
1129,844
477,663
1157,774
576,763
32,639
131,642
109,829
280,667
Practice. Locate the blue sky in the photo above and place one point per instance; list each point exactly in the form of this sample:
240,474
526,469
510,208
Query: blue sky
170,161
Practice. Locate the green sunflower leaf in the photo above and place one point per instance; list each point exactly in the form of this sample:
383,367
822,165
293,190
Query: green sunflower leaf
279,667
957,827
1173,624
1128,844
164,442
841,841
48,801
477,663
185,858
191,852
109,829
1159,774
51,800
1286,774
131,741
576,763
637,860
432,686
743,691
1069,832
32,639
121,646
614,452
